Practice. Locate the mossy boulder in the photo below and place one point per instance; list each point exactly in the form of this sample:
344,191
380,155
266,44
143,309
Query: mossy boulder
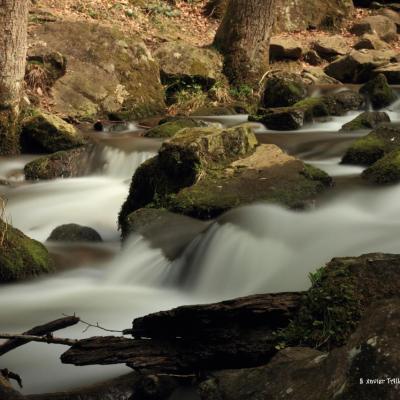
378,92
294,117
21,257
74,233
116,74
169,129
205,172
62,164
216,111
385,170
46,133
366,120
283,89
369,149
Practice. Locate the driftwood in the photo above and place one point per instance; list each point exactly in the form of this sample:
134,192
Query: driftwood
42,330
232,334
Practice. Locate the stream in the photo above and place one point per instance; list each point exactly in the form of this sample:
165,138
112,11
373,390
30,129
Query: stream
252,249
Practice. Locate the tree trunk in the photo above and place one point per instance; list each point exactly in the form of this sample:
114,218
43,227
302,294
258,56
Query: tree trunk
13,47
243,38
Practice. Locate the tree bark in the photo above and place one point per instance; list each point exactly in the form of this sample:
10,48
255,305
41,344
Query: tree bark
243,38
13,47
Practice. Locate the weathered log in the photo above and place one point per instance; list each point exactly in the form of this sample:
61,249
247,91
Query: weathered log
238,333
222,319
41,330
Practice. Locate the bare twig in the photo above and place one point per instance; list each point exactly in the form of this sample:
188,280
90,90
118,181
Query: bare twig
50,339
97,326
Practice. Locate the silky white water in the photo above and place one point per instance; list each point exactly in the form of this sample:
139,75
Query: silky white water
257,248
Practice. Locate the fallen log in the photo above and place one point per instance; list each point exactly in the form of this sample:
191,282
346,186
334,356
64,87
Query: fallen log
41,330
238,333
223,319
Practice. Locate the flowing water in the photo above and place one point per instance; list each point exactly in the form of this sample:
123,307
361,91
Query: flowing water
257,248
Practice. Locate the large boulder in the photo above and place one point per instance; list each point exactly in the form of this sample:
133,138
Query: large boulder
46,133
204,172
283,89
359,66
283,48
366,368
20,256
74,233
183,65
378,92
369,149
372,42
62,164
170,128
330,46
391,14
116,74
380,25
366,120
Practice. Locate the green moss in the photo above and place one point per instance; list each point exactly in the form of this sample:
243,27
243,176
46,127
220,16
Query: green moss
366,150
44,132
169,129
386,170
329,312
316,174
20,256
9,132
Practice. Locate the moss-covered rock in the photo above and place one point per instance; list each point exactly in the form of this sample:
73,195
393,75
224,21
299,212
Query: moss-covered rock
215,111
74,233
385,170
169,129
340,294
62,164
116,74
20,256
283,89
205,172
293,117
378,92
368,149
366,120
46,133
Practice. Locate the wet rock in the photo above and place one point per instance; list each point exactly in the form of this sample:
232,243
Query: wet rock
330,46
372,352
385,170
21,257
294,117
391,71
46,133
372,42
358,67
284,49
366,120
74,233
380,25
283,89
205,172
281,119
100,79
378,92
62,164
368,149
169,129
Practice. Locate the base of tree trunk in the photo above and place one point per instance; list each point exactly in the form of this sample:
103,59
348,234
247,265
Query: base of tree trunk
9,133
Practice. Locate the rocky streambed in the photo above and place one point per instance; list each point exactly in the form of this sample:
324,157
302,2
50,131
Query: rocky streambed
257,212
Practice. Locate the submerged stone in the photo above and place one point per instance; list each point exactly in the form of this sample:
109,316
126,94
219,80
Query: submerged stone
74,233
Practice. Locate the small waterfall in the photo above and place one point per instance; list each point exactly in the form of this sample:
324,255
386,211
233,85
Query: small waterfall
120,164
